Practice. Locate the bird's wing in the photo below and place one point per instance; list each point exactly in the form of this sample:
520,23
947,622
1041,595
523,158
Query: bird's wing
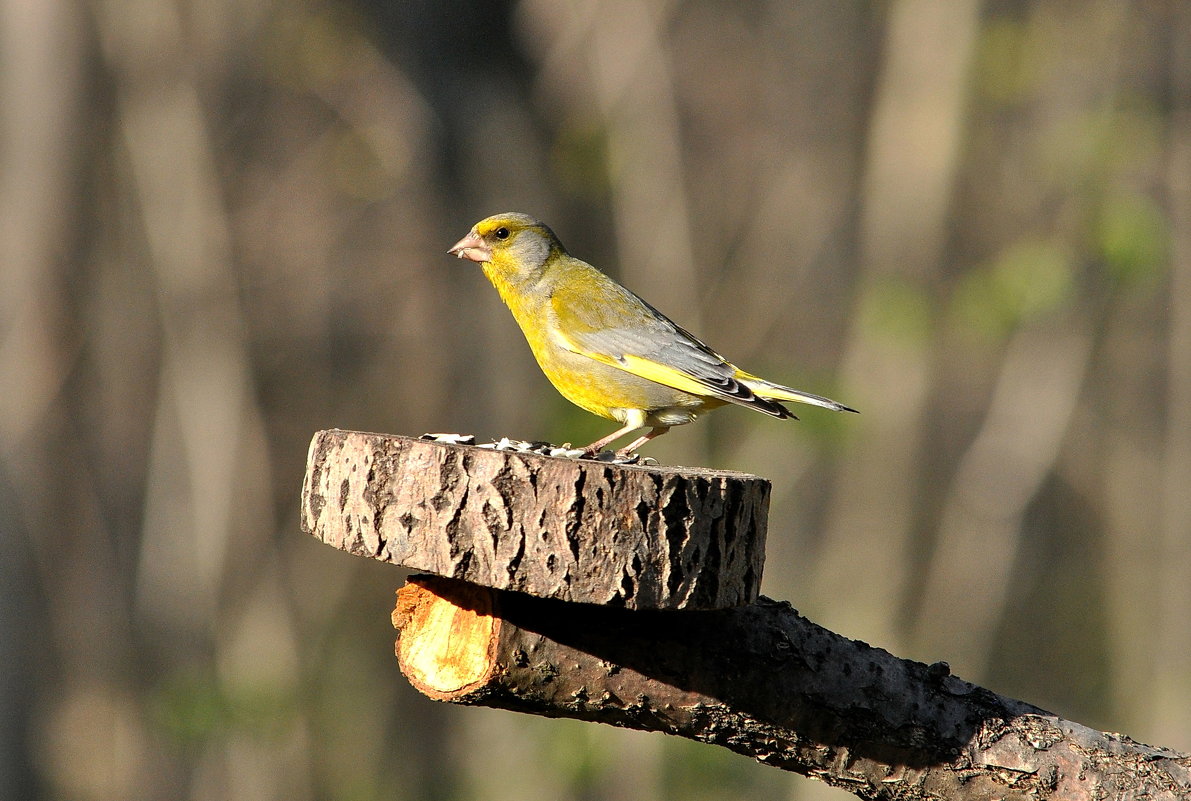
624,331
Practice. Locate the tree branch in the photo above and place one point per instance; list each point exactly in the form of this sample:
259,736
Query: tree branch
765,682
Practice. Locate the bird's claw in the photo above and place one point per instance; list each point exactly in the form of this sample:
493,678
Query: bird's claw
622,456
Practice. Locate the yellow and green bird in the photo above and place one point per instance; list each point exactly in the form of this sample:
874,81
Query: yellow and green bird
605,349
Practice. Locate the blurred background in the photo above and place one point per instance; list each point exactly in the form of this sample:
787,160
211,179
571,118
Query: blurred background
222,228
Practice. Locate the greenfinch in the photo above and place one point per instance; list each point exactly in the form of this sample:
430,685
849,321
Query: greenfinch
605,349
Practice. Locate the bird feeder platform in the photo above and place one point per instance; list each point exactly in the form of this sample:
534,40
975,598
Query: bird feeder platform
580,530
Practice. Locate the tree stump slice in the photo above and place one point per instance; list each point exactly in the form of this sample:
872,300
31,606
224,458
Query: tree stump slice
573,530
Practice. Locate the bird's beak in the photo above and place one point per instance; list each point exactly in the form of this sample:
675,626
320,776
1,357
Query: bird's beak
471,247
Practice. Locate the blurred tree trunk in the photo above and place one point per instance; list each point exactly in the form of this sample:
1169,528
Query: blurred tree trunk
1169,707
42,101
917,124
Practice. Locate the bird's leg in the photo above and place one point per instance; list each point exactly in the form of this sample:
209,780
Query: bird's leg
627,450
598,445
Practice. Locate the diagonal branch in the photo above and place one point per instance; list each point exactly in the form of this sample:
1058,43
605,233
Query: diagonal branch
765,682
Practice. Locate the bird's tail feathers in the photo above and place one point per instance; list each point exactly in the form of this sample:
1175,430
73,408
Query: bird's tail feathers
771,391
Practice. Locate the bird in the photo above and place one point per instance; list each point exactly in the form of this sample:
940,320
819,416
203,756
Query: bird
604,348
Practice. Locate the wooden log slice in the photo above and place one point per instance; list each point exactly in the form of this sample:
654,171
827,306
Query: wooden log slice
574,530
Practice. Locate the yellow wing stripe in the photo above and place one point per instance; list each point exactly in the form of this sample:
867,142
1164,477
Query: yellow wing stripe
644,368
676,379
685,382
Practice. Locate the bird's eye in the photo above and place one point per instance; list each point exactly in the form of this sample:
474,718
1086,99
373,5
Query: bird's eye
501,233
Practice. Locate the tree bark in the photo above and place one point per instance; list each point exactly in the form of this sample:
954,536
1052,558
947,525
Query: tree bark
765,682
575,530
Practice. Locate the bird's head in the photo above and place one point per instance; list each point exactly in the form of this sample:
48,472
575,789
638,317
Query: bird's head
514,245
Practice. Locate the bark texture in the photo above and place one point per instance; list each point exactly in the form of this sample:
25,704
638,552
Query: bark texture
574,530
765,682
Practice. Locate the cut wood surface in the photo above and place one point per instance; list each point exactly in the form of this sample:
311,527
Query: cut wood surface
575,530
763,681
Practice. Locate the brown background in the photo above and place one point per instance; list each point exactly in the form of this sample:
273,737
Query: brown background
222,228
